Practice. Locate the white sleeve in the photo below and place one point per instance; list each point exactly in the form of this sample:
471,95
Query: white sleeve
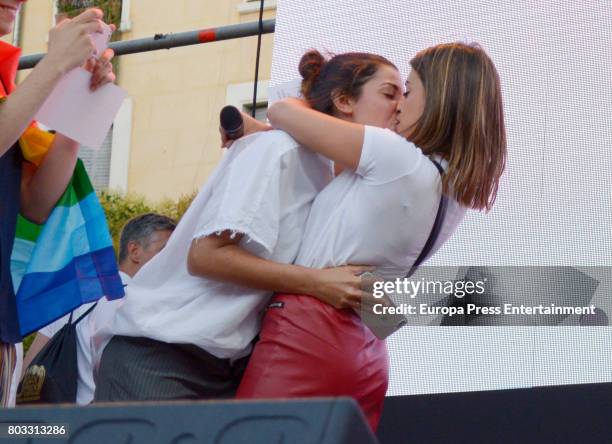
386,156
246,199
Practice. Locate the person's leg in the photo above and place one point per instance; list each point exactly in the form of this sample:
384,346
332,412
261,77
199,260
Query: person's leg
141,369
8,358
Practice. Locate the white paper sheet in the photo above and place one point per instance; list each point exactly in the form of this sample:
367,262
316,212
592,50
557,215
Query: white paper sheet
77,112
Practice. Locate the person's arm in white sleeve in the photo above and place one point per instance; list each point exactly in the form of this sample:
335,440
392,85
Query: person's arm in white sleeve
336,139
220,257
246,204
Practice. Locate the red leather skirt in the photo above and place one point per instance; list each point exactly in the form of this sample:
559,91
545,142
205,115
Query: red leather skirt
309,349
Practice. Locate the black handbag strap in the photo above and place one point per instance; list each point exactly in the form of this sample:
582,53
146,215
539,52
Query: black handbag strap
83,315
437,227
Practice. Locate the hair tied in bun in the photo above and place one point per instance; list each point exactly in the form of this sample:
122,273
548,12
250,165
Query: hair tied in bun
310,68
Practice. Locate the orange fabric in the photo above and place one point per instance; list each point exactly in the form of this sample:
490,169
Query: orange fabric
9,62
34,142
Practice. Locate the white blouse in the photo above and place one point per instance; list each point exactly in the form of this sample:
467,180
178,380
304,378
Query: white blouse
381,214
263,188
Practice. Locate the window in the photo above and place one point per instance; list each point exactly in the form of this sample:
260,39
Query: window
120,155
251,6
241,96
260,110
108,166
124,25
97,162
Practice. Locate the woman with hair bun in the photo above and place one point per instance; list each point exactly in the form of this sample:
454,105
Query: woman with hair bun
380,212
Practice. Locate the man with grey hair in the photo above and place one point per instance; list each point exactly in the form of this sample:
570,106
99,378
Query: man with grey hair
142,237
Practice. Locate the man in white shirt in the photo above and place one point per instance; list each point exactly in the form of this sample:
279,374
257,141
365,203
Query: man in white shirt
141,239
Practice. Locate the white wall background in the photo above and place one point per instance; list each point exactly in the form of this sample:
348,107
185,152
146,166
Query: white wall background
555,202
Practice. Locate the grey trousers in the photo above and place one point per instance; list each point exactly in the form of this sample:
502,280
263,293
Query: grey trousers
142,369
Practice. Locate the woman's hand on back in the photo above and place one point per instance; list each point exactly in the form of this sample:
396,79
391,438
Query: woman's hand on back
340,287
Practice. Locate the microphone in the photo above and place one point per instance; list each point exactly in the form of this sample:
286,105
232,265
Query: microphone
231,122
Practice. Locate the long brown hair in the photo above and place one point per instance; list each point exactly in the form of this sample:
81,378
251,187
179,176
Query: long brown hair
463,120
343,74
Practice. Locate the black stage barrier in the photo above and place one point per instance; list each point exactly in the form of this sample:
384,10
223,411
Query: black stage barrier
554,414
314,421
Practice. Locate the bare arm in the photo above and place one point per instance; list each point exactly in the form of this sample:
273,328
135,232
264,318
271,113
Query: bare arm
18,110
335,139
41,188
221,258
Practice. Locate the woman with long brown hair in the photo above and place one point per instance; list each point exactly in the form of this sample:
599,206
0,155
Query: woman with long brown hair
190,314
379,211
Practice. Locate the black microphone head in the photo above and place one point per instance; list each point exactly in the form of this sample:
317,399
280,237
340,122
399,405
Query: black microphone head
231,122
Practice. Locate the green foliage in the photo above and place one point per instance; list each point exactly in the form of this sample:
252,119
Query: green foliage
120,208
112,14
70,6
111,8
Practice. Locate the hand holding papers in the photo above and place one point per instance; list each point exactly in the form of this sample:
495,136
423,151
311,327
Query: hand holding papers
101,39
77,112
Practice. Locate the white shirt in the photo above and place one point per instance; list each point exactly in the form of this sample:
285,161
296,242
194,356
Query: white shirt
263,189
84,332
16,374
381,214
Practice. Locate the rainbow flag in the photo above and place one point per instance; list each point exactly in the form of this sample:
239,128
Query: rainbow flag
67,262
